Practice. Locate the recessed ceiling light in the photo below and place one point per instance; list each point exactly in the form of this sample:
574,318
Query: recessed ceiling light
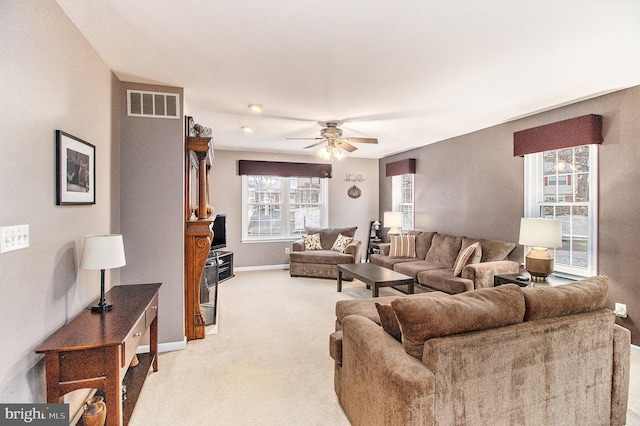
247,129
256,107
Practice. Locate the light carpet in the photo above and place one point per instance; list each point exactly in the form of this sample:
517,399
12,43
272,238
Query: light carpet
269,362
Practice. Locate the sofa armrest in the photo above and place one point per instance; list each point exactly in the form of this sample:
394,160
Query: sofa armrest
397,388
620,379
482,273
354,249
298,245
385,248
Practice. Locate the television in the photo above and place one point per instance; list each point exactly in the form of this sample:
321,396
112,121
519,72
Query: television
219,232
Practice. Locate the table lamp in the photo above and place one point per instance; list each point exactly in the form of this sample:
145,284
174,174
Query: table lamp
102,252
540,234
393,220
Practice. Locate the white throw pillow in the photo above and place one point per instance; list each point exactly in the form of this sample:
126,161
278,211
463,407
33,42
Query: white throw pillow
341,243
312,242
463,257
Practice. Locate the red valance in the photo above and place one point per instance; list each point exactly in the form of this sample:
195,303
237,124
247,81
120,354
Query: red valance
583,130
283,169
402,167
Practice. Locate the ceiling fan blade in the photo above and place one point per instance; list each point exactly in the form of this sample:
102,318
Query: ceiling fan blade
311,139
347,146
315,144
362,140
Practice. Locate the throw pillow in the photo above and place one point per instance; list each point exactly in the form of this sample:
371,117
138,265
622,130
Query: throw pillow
463,258
403,246
389,321
312,242
341,243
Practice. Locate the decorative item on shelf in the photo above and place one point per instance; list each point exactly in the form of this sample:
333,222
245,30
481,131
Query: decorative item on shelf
354,192
94,412
102,252
202,131
540,234
393,220
209,211
351,177
375,231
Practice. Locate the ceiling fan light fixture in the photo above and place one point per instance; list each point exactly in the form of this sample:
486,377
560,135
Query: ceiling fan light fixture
256,107
247,129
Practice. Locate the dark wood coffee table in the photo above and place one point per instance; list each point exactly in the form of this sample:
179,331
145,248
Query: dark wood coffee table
373,276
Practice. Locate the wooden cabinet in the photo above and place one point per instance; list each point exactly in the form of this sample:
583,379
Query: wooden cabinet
94,350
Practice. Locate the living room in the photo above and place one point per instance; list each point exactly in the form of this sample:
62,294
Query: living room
53,78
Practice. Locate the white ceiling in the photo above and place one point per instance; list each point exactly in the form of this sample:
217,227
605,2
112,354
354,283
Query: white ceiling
407,72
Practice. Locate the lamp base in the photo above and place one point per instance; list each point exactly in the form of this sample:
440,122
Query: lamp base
102,308
539,264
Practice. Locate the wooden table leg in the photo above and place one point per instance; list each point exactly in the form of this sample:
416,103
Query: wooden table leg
375,289
411,288
339,280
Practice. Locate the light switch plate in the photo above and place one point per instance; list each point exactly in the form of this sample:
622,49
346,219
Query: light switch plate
14,238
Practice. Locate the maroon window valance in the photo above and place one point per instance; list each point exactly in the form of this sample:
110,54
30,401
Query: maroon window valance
583,130
402,167
283,169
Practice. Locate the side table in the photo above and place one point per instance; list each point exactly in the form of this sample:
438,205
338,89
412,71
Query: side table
553,280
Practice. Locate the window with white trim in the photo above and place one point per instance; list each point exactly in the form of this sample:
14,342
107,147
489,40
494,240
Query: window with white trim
278,208
563,184
402,195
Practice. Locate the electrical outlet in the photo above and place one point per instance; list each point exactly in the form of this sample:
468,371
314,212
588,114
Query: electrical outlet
286,250
14,238
621,310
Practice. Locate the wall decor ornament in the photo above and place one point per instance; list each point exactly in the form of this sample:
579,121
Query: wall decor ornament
354,192
75,170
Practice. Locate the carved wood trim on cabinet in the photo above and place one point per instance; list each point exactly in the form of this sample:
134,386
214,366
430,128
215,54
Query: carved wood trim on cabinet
198,236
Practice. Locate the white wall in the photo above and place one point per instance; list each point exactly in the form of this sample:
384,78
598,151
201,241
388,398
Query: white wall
50,78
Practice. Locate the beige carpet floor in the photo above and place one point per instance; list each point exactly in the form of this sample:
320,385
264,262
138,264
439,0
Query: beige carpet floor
268,364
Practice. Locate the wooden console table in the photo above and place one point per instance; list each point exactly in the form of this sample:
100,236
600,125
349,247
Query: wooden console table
95,349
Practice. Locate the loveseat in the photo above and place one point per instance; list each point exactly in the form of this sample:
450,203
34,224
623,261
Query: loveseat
448,263
504,356
320,250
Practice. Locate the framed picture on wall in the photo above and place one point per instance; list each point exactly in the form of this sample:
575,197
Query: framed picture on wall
75,170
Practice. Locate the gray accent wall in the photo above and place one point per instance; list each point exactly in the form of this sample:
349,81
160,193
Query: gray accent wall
472,185
152,208
51,79
226,197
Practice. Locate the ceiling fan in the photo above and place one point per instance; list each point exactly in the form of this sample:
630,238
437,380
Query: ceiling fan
335,144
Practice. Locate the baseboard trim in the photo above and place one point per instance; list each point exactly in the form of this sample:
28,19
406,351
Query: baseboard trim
164,347
261,268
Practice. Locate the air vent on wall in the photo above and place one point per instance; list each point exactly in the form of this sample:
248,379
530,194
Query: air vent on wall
153,104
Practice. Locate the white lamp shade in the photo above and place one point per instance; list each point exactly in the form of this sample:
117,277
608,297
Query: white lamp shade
392,219
103,252
538,232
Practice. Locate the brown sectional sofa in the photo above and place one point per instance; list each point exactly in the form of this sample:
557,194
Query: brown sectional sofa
432,268
504,356
322,263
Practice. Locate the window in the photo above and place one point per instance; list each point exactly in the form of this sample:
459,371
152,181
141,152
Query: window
279,208
402,198
562,184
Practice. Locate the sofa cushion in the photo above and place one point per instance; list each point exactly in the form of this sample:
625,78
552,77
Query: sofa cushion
423,243
312,242
443,280
341,243
330,257
414,268
425,318
463,258
389,262
403,246
389,321
328,235
494,250
582,296
444,250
